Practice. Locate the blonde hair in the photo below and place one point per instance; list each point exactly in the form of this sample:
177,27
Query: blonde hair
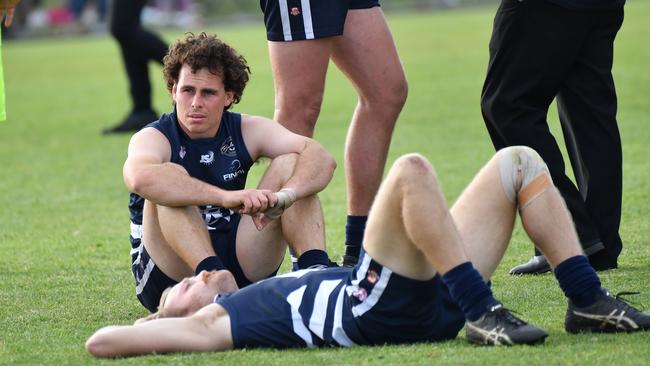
160,313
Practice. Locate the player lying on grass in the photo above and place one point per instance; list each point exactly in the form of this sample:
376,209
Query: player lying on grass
187,173
422,276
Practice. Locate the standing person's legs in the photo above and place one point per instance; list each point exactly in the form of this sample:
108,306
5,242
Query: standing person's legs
587,105
522,79
137,47
367,55
299,70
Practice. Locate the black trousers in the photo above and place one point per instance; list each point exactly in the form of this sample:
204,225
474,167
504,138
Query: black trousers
138,47
540,51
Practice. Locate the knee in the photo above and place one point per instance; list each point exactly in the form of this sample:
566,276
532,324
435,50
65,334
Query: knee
524,174
389,100
299,113
120,31
410,166
280,170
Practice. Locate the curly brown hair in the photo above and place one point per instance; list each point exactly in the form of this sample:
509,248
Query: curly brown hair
209,52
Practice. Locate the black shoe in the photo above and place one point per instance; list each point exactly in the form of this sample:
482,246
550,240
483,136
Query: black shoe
607,314
133,122
349,260
498,327
536,265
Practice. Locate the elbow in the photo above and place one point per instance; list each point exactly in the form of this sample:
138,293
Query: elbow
97,346
135,182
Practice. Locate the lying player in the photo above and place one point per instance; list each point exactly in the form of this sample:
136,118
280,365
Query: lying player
422,276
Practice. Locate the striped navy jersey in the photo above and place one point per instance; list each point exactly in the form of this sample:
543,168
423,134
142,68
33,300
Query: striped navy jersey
368,304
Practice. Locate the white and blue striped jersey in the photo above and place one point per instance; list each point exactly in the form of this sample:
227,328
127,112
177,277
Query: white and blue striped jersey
368,304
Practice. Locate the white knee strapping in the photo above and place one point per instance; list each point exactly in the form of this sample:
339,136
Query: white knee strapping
524,175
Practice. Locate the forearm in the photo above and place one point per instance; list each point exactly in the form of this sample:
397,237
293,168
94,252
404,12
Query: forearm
169,184
313,171
208,330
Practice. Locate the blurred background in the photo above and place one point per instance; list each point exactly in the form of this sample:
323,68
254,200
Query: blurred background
44,18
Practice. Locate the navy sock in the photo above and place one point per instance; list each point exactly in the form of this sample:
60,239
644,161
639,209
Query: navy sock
313,257
578,280
467,288
209,264
354,230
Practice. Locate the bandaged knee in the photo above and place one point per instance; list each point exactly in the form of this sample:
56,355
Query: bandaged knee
524,175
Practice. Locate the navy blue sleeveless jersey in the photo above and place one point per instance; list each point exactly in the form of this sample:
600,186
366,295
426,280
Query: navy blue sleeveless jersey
222,161
368,304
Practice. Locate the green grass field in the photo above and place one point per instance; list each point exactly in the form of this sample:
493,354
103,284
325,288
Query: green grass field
64,251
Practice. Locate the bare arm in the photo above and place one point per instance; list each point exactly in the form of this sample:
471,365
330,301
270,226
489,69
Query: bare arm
7,9
149,173
314,167
207,330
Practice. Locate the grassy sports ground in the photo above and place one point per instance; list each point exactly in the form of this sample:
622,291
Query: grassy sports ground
64,251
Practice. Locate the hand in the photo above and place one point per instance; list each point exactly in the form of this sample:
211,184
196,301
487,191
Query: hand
249,201
7,8
285,198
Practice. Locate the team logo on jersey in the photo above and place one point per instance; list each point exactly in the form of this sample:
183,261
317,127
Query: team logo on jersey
182,152
213,214
235,171
208,158
228,148
295,11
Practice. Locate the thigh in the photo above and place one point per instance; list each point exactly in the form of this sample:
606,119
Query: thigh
367,54
485,218
299,70
259,253
156,245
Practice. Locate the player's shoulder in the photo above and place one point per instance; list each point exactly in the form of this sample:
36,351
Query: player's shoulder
250,119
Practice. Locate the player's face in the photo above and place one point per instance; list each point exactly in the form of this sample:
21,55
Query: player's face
193,293
200,101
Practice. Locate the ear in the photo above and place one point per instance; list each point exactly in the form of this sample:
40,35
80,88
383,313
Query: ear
174,89
230,96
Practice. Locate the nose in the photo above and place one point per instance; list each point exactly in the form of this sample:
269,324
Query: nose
196,101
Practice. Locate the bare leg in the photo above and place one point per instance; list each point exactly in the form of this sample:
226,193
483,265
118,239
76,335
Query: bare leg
410,229
485,217
366,54
299,70
176,238
301,226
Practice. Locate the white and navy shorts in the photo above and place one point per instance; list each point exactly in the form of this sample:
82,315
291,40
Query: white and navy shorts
292,20
151,281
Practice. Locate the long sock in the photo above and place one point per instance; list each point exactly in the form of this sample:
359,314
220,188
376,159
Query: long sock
467,288
209,264
313,257
578,280
354,229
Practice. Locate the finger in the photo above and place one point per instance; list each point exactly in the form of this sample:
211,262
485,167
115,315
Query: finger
263,221
9,18
273,199
257,221
246,206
